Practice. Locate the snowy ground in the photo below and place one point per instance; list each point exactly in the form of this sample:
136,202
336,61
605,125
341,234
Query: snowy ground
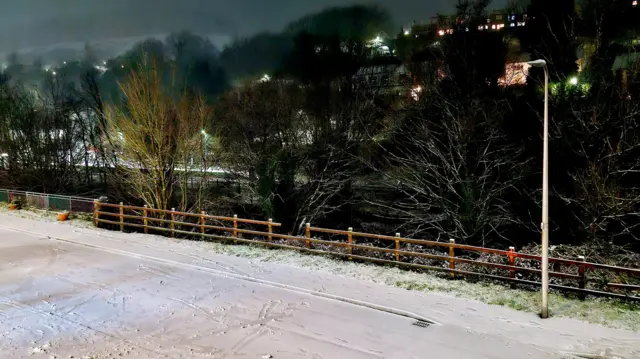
68,291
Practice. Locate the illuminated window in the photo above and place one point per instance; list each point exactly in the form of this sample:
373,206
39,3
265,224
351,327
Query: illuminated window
498,17
441,32
634,3
493,27
415,92
513,24
480,27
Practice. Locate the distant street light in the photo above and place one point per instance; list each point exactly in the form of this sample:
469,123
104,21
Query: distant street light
544,313
573,80
265,78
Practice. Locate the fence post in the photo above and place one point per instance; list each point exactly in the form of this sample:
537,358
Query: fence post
397,247
452,254
173,224
512,263
121,217
235,229
582,283
146,221
203,222
350,241
96,215
270,229
307,233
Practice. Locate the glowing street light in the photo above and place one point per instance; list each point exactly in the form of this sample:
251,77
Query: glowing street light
407,32
544,312
573,80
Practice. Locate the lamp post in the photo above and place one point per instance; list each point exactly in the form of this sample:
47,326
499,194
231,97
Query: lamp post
544,312
205,136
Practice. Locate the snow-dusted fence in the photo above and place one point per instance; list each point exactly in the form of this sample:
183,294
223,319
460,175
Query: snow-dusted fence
458,260
50,202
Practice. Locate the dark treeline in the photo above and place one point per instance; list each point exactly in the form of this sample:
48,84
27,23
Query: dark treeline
318,124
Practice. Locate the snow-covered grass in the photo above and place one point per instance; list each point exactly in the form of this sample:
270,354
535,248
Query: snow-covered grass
613,313
77,219
609,312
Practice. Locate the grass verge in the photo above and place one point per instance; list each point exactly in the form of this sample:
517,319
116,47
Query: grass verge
608,312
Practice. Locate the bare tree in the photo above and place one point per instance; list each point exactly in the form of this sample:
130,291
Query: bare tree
454,171
604,136
259,125
297,153
155,135
40,138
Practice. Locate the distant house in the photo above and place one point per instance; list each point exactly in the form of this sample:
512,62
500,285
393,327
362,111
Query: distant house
387,76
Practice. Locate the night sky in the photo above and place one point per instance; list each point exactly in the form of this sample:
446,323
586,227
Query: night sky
36,23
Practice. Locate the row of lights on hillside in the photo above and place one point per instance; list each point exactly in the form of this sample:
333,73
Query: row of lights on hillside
445,32
481,28
54,73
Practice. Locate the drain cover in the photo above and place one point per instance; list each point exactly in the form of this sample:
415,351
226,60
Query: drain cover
421,324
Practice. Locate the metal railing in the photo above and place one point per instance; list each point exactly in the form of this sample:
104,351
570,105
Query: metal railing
456,259
50,202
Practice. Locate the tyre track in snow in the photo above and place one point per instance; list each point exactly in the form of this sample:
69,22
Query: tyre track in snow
299,290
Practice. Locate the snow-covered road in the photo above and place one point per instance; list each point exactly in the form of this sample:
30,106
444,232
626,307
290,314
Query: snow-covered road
67,291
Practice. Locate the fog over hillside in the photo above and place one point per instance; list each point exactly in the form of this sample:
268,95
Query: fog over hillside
104,49
34,24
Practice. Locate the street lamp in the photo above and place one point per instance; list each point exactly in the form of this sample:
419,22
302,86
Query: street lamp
544,312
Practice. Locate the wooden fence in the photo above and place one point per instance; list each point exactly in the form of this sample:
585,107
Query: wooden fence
456,259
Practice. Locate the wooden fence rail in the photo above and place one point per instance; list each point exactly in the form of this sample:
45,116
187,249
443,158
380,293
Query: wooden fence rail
172,223
176,222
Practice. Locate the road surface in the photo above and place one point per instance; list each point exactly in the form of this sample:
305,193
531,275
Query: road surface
71,292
